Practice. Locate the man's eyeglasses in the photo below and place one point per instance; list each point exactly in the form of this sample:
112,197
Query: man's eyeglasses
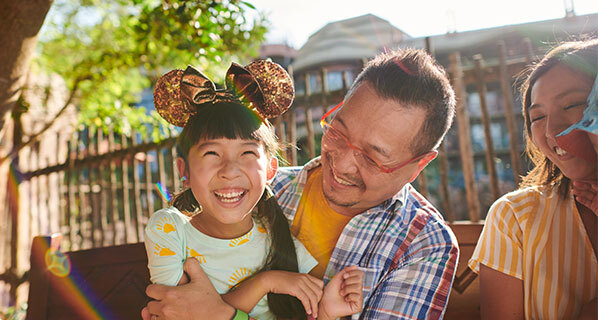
335,140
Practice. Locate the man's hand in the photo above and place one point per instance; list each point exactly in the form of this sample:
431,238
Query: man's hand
306,288
343,295
586,193
195,300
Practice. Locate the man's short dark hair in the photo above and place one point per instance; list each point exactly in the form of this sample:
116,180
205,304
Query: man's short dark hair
413,78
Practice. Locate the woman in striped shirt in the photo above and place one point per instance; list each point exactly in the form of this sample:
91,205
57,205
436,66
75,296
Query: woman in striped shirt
536,256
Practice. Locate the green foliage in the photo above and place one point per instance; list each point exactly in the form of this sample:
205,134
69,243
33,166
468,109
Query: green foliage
108,51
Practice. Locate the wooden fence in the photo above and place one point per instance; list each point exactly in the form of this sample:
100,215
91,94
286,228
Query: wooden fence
108,186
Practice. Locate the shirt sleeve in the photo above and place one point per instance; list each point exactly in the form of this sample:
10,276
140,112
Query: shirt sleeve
305,260
500,244
420,285
164,247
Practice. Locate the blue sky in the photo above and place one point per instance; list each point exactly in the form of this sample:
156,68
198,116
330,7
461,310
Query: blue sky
293,21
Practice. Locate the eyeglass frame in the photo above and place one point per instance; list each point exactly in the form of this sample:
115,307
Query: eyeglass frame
382,167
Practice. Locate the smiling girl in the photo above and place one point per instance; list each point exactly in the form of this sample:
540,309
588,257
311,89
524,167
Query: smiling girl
227,218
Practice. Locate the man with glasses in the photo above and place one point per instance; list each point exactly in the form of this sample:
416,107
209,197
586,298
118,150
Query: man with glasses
354,205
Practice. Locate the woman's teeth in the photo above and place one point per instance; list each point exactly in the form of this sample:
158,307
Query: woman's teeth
559,151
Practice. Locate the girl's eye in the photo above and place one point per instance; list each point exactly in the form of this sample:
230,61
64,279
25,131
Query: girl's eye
210,153
250,153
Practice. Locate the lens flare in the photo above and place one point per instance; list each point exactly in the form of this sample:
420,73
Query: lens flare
163,192
58,263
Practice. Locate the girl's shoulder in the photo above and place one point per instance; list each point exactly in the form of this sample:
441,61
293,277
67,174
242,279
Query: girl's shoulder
169,214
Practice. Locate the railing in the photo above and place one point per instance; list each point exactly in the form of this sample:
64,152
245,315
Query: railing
108,186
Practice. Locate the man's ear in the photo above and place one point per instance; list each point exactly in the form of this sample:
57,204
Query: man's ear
272,168
182,168
422,163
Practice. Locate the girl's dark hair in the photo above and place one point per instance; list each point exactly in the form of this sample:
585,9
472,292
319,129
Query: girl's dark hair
579,56
235,121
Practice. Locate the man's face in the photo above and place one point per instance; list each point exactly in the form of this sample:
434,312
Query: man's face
384,129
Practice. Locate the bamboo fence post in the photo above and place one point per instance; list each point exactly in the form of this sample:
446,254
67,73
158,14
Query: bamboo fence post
324,75
59,187
528,51
113,189
137,193
309,127
129,227
104,193
35,189
508,98
444,191
162,178
490,155
465,138
176,183
71,203
422,180
93,150
291,130
148,186
81,195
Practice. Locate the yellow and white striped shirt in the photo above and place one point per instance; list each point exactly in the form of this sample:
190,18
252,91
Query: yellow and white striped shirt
535,235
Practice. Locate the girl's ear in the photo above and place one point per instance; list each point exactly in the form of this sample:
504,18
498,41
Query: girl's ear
272,167
182,168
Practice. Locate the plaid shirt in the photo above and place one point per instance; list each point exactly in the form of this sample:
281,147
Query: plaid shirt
406,250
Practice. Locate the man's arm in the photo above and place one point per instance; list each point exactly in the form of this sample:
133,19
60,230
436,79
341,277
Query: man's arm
195,300
419,287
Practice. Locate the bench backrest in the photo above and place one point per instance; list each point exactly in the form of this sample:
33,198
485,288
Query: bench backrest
103,283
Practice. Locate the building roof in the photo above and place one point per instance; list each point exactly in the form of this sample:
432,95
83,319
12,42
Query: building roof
541,33
350,39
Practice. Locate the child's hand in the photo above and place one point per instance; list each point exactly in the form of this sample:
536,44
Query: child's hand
306,288
343,295
586,193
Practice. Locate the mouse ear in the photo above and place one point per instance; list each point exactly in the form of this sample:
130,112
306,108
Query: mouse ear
168,100
265,84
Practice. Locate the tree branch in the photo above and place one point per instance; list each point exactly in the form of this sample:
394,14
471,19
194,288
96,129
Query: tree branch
34,137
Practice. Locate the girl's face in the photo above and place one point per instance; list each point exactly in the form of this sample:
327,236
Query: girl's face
227,178
558,99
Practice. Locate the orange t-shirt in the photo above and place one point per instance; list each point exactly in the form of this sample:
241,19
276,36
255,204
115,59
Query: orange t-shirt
316,225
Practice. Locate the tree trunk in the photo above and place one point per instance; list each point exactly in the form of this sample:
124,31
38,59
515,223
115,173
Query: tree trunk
20,22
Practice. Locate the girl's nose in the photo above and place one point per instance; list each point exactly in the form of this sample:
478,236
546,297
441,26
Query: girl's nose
229,169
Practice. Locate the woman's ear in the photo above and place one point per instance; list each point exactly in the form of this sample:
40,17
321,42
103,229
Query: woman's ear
183,172
272,168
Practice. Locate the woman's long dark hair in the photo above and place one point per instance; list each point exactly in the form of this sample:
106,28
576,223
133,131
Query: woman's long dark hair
235,121
581,57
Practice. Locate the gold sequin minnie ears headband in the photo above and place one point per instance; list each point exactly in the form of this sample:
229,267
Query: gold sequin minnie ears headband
263,86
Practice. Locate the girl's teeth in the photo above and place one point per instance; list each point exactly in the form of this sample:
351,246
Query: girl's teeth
229,197
560,151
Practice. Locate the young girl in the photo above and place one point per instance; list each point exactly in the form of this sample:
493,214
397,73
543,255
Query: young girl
537,253
227,218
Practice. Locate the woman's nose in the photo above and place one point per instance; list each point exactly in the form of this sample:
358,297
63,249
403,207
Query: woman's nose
555,125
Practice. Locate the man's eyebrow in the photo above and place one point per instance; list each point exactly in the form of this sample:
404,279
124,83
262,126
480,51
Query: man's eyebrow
373,147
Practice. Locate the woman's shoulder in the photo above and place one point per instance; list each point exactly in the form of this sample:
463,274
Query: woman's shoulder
524,202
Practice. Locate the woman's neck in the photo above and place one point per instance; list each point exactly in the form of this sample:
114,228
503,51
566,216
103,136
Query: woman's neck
210,227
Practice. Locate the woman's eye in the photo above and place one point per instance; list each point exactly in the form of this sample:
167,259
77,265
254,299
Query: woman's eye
580,104
533,119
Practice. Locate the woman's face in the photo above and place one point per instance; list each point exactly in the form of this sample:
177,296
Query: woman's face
558,99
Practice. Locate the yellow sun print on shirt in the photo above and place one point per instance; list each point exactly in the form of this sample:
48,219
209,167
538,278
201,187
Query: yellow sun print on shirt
163,251
194,254
165,224
240,240
238,276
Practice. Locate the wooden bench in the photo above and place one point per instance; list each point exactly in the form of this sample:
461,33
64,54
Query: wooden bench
109,283
104,283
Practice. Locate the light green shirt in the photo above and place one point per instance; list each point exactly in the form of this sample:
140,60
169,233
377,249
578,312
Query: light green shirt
171,239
